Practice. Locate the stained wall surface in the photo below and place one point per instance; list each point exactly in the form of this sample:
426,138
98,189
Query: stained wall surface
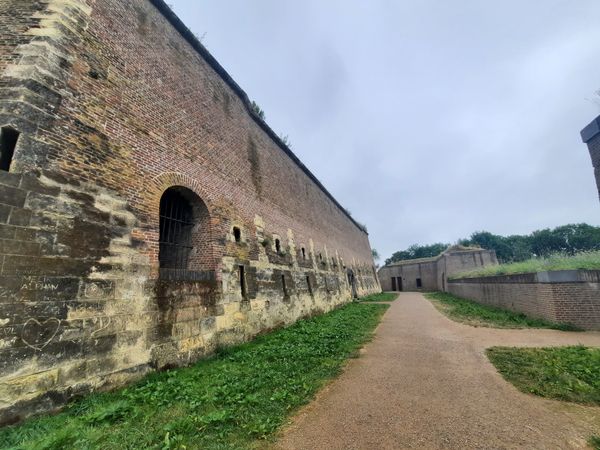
116,103
431,274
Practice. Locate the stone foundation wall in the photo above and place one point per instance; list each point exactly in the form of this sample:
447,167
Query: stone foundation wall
115,103
570,297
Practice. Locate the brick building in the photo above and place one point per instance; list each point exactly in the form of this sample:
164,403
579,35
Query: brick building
591,136
147,214
431,274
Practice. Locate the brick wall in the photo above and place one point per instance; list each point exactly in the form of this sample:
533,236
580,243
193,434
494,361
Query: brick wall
434,272
115,105
571,297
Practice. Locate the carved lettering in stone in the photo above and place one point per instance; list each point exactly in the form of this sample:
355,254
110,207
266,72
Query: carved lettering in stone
101,324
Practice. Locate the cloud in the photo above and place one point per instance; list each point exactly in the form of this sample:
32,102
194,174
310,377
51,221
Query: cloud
428,120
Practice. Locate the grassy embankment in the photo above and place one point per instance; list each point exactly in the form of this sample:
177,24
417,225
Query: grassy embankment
561,373
475,314
238,399
381,297
584,260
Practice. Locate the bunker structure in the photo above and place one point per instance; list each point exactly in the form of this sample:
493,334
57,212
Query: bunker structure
591,136
147,214
431,274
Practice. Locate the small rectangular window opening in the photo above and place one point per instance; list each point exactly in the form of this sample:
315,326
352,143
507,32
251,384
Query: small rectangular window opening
278,245
237,234
8,143
285,292
242,273
419,283
303,253
310,290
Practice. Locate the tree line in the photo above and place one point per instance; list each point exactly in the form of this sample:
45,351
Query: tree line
567,239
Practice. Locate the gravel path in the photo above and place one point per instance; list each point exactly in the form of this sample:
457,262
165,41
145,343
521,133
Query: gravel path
424,382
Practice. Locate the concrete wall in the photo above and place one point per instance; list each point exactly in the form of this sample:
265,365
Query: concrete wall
591,136
434,272
570,297
116,103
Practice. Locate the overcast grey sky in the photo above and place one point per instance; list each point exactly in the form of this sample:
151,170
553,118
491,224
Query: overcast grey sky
427,119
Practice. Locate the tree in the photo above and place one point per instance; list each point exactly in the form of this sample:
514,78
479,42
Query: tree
417,251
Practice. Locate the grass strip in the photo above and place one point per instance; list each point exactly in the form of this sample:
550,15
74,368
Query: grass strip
381,297
583,261
237,399
595,442
562,373
472,313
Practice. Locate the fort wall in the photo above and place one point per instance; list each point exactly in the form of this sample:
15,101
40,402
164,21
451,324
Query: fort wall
114,104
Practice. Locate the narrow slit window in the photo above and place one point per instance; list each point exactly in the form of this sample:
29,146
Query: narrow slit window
242,274
310,290
278,245
237,234
284,286
303,253
8,143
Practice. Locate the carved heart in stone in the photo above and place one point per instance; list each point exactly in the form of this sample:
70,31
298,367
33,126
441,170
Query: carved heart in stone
38,335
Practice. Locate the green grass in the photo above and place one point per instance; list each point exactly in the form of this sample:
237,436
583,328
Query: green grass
237,399
595,442
381,297
563,373
584,260
475,314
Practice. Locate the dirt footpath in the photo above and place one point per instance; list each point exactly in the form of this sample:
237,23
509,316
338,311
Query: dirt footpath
424,382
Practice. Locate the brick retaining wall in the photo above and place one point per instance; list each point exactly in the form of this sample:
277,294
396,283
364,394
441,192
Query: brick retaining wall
568,296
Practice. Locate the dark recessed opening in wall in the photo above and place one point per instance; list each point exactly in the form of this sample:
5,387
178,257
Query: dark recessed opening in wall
237,234
303,253
8,142
277,245
310,290
184,237
320,257
419,283
284,286
176,223
242,274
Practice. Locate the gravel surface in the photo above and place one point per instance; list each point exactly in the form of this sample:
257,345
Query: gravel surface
424,382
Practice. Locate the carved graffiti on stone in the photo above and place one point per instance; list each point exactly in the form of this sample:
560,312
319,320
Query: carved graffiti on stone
102,324
96,290
33,285
38,335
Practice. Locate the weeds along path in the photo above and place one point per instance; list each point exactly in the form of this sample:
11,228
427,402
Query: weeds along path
424,382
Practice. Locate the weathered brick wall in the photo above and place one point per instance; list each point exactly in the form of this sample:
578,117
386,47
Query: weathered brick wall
115,107
434,272
571,297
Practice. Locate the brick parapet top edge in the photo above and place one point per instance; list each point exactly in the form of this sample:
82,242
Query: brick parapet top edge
548,277
591,131
187,34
